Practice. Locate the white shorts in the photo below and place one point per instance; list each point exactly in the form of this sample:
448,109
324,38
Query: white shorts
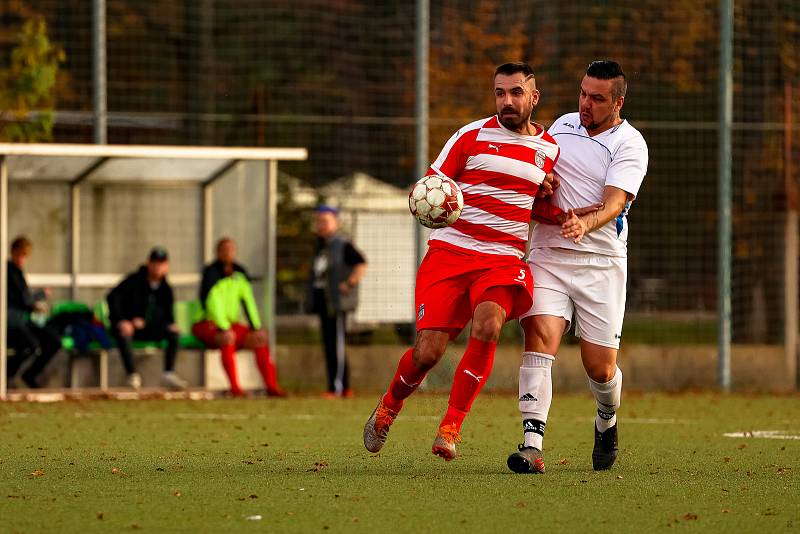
587,285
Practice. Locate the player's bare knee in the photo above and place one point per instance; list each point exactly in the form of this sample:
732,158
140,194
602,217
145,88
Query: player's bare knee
428,351
425,357
487,328
601,372
541,339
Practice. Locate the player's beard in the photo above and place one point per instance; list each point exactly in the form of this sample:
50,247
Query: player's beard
594,125
514,122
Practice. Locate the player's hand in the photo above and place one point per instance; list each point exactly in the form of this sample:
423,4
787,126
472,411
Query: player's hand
548,186
138,323
588,209
125,328
574,227
174,328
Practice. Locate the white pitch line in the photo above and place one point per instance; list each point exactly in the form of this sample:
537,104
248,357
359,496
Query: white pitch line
762,434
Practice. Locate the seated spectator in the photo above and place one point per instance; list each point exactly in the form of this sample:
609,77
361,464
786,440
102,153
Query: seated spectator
224,289
141,308
25,337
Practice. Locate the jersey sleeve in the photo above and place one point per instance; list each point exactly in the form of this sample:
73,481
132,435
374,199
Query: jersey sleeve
215,308
352,256
452,159
629,166
246,295
544,212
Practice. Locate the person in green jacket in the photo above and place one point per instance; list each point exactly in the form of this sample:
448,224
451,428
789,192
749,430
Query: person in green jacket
224,289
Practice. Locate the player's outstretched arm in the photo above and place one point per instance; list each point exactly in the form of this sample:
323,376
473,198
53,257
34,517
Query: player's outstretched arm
579,224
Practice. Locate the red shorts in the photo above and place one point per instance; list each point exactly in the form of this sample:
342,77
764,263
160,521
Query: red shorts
206,331
451,283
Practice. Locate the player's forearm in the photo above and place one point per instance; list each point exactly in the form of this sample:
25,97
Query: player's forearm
614,200
359,270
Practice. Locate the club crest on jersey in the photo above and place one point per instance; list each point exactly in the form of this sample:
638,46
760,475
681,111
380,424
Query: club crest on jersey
421,312
541,157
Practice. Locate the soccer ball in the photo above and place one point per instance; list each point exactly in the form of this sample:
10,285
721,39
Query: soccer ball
436,201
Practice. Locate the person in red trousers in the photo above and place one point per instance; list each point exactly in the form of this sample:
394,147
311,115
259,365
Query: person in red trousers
224,291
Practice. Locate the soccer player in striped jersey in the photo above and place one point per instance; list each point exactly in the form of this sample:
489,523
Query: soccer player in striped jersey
580,269
474,268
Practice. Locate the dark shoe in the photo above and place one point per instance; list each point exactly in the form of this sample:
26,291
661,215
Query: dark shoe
526,460
605,449
30,381
276,391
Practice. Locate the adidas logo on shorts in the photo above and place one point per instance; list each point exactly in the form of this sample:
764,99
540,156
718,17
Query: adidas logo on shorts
528,397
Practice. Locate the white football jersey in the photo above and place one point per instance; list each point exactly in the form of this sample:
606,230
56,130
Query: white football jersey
616,157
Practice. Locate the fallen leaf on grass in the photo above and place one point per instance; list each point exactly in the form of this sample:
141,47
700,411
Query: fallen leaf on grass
727,459
520,504
99,515
783,470
318,466
742,446
37,473
177,494
114,471
136,526
726,510
689,517
563,461
619,477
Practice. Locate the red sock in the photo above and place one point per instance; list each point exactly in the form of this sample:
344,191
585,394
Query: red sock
471,374
267,368
406,380
228,353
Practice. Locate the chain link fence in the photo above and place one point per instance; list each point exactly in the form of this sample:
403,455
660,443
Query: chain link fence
338,77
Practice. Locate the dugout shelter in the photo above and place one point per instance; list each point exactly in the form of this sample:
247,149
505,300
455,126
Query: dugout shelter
77,165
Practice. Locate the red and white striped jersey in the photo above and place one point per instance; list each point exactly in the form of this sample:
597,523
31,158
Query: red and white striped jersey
499,173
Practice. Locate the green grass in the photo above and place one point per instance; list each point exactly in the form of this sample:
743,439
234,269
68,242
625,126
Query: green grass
299,463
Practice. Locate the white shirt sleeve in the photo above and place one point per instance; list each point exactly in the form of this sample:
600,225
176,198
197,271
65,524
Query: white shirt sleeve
629,165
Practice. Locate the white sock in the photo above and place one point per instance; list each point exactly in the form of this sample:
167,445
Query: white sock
535,396
608,398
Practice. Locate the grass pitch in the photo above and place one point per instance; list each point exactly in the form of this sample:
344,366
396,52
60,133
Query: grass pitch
298,465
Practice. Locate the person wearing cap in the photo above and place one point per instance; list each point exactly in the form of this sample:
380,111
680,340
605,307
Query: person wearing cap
224,291
336,270
141,308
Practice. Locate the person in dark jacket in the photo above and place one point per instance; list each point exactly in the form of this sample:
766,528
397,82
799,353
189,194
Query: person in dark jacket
25,337
336,270
224,290
141,308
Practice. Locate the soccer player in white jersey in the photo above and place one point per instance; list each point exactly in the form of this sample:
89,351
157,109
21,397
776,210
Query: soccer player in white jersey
474,268
580,268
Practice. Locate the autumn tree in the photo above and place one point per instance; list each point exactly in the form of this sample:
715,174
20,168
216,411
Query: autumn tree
27,85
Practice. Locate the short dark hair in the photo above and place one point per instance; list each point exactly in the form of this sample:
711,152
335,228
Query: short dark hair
21,244
158,255
609,70
507,69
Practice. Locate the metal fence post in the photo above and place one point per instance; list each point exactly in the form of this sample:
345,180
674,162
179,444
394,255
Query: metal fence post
724,184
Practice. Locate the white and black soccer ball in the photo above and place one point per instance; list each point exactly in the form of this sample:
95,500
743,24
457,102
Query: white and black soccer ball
436,201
